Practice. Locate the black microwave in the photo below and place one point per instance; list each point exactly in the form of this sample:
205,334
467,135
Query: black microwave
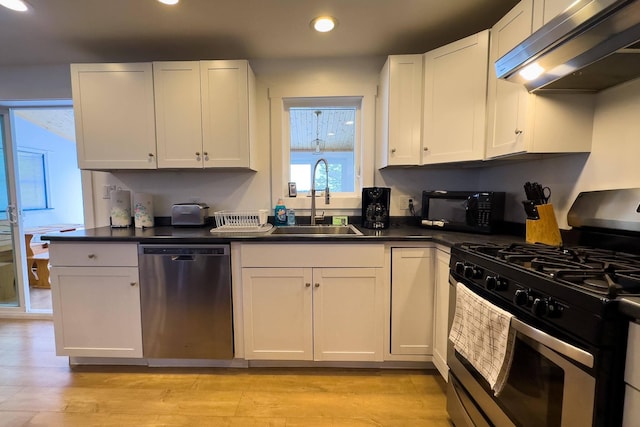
471,211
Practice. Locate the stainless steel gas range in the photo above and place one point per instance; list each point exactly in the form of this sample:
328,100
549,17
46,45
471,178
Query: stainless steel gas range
568,357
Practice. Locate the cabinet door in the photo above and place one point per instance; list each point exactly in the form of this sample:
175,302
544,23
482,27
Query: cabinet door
96,311
227,104
114,115
441,313
401,98
455,96
412,276
347,314
545,10
277,313
507,102
178,115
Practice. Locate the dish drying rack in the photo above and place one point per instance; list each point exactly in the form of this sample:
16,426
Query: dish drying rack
250,221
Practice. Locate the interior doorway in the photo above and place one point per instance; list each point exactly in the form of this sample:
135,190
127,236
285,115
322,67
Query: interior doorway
49,192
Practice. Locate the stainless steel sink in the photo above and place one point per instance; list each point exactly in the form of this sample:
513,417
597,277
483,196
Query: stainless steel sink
317,230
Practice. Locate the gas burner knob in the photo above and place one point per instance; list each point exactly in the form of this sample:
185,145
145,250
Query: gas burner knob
471,272
459,267
495,282
553,309
540,307
521,297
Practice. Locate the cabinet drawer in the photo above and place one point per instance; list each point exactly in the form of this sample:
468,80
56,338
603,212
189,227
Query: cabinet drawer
312,255
632,368
93,254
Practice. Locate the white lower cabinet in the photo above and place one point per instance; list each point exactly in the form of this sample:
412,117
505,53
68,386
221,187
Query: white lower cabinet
412,300
333,311
419,301
441,310
96,299
313,314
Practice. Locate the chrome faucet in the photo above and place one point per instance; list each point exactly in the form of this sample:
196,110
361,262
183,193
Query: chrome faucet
313,191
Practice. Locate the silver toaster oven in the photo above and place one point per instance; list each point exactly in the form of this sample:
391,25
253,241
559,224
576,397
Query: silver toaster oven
189,214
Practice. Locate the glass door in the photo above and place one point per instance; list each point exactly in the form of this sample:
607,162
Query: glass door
12,249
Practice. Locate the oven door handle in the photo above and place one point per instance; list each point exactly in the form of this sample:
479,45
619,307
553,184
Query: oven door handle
574,353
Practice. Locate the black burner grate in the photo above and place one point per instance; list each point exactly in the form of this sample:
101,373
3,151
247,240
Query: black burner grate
605,272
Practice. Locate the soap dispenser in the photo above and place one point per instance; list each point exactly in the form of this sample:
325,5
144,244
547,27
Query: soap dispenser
280,213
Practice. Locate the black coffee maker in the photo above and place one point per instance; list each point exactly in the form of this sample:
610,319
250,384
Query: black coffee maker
375,207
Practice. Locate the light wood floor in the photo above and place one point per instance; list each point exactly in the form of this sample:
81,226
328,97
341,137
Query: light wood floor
38,388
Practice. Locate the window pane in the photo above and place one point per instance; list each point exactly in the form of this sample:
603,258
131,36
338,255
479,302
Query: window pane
301,175
323,132
33,188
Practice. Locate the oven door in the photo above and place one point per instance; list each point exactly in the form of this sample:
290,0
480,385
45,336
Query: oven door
548,384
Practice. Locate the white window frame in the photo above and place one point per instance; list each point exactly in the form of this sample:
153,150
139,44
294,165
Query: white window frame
364,149
45,171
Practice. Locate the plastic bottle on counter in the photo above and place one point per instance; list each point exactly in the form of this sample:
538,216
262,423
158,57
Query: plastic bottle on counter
280,213
291,217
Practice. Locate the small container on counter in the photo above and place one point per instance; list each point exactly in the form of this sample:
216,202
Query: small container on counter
291,217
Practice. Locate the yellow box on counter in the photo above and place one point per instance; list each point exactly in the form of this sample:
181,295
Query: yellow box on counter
545,228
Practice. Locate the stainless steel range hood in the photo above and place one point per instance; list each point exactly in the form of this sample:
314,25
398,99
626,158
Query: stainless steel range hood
593,45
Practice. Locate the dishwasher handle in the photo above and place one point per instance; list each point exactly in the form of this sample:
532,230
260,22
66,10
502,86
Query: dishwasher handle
184,252
183,258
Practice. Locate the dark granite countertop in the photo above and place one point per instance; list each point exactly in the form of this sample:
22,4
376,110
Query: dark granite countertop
196,235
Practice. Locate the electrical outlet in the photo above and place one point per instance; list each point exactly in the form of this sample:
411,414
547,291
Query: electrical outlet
106,191
403,202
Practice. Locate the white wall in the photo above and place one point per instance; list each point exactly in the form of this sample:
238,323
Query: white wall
612,163
35,83
240,189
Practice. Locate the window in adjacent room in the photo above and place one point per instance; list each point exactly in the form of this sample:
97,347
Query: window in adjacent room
32,167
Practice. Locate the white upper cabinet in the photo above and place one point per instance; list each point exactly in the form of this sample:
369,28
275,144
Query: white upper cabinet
194,114
228,113
455,88
114,115
545,10
522,123
178,114
400,100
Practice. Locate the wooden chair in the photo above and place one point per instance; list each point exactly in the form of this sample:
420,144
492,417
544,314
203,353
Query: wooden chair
38,266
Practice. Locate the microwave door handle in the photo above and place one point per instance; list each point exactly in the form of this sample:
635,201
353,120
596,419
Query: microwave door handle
574,353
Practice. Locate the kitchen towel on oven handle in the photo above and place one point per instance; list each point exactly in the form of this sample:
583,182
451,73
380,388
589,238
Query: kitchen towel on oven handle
482,334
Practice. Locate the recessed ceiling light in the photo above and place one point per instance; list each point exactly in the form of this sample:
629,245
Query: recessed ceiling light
17,5
169,1
324,24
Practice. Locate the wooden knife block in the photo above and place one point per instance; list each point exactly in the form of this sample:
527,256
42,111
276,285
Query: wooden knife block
544,230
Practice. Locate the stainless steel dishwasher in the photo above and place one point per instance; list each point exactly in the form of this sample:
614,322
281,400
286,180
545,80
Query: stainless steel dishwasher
186,301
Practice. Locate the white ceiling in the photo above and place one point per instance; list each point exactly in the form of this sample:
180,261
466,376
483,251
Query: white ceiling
65,31
58,121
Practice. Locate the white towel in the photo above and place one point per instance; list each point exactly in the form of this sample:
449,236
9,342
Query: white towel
482,334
